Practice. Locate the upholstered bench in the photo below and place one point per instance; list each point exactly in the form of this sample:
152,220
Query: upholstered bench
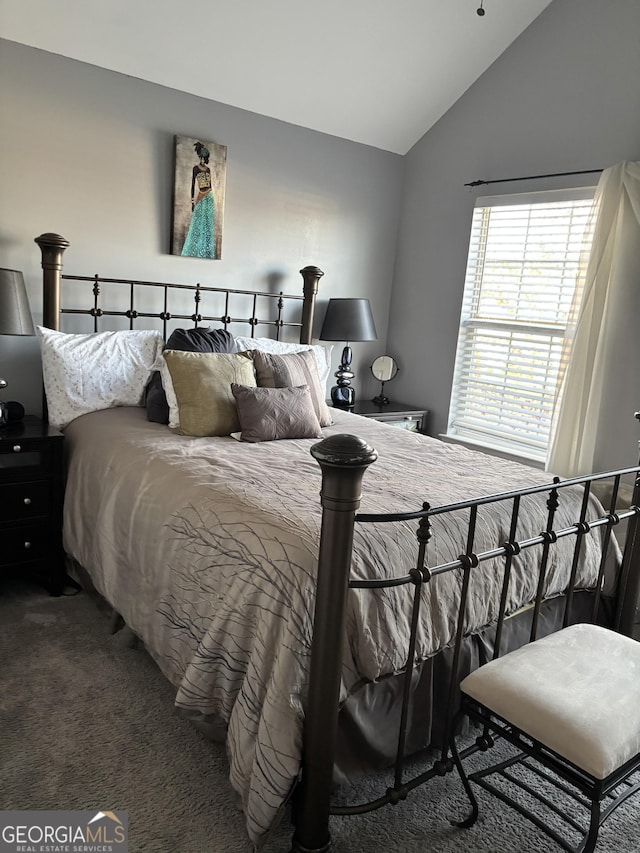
570,702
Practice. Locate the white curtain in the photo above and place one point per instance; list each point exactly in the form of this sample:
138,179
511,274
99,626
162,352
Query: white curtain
593,426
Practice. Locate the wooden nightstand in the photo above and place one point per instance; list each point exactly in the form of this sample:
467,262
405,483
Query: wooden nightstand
31,493
394,414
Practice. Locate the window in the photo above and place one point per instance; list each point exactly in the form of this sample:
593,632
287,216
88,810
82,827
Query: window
524,256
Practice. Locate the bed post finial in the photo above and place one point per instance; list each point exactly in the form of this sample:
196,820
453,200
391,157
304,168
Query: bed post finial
311,276
343,460
52,247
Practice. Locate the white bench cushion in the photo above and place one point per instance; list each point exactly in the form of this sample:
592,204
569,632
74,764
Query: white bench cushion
576,691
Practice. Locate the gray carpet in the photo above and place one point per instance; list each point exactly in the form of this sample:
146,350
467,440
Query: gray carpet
87,722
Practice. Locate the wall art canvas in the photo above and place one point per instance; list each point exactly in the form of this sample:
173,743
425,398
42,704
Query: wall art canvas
198,200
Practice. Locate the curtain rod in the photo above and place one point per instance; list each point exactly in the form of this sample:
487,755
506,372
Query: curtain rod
532,177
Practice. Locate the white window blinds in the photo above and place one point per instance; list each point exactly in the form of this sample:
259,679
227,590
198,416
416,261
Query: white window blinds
524,257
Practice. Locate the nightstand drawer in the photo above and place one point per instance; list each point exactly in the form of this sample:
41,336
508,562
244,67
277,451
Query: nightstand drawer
25,500
24,458
24,544
411,422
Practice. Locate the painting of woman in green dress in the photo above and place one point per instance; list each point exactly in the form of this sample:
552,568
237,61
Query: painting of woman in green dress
198,198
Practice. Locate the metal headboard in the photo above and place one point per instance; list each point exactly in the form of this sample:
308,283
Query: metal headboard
53,246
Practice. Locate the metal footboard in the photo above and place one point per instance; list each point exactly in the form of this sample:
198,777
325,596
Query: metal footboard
344,460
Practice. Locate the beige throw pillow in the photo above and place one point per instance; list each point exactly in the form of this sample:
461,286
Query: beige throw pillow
271,414
291,370
202,385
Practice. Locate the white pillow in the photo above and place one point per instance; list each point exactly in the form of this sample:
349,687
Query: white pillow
322,353
85,373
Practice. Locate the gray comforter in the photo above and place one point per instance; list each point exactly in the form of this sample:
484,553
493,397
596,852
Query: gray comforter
208,547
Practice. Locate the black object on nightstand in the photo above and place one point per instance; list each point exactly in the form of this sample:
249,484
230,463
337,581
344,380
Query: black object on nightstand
31,494
394,414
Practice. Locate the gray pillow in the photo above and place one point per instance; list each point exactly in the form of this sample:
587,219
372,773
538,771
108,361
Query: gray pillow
292,369
270,414
198,339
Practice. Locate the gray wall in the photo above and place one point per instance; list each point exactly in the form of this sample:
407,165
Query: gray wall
88,154
564,96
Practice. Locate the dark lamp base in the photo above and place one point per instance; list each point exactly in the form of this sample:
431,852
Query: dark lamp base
11,412
343,396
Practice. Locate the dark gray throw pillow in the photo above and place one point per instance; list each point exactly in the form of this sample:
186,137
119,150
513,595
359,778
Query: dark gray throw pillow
186,340
270,414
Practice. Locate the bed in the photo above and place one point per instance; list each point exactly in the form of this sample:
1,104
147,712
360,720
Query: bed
221,557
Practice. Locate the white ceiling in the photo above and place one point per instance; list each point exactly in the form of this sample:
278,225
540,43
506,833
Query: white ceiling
380,72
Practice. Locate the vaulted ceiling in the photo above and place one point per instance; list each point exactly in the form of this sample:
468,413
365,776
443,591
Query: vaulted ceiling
379,72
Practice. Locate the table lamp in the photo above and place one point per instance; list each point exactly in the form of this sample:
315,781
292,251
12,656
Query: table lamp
15,319
347,320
